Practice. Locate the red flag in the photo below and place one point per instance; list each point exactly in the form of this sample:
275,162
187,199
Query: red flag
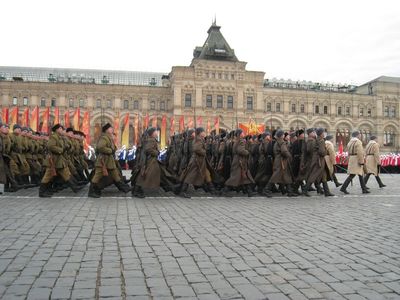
66,119
190,123
56,115
216,125
45,124
341,147
163,140
25,118
125,132
34,121
13,117
4,116
199,122
182,124
136,130
154,121
116,130
208,126
172,126
146,121
76,119
86,129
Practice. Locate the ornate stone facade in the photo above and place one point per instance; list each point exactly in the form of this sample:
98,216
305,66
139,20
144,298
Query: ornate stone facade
216,83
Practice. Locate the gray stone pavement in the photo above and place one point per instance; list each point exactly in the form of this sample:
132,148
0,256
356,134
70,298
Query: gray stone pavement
116,247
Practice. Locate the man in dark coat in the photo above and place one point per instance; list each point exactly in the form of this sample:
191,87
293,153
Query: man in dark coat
297,169
240,176
316,149
281,172
261,177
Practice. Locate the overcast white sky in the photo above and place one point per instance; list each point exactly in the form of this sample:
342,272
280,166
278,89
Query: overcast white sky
324,41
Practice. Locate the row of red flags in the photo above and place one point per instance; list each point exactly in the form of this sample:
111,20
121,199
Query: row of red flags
31,118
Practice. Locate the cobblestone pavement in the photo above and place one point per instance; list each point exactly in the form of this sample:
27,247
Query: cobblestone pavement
69,246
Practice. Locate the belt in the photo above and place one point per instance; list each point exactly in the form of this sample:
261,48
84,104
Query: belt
370,154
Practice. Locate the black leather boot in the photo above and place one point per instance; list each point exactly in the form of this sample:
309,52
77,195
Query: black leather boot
366,178
363,187
138,192
122,186
43,190
319,189
73,185
346,183
306,189
249,191
290,191
327,192
336,181
225,192
94,191
379,180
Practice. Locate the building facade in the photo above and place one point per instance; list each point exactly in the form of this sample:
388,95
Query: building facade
215,84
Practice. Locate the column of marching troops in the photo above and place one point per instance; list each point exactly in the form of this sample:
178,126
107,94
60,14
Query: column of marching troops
292,163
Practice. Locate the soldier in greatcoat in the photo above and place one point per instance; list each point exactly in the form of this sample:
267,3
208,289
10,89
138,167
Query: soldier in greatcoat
373,161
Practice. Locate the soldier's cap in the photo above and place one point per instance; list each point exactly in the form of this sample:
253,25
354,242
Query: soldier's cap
69,129
329,137
16,126
279,133
293,134
24,129
373,137
4,125
267,133
223,135
150,131
105,127
55,127
299,132
320,131
190,132
309,130
238,132
199,130
355,133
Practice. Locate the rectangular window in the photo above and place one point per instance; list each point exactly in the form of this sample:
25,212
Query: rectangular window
15,101
220,101
369,113
209,101
43,102
278,107
53,102
219,76
188,100
386,114
302,108
152,105
361,111
135,104
347,110
339,110
325,110
269,107
392,112
126,104
249,103
230,102
233,76
25,101
109,103
162,105
98,103
317,109
81,103
71,102
293,108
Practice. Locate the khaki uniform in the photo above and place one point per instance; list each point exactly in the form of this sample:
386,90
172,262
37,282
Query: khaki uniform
372,159
21,166
105,162
55,163
356,157
330,157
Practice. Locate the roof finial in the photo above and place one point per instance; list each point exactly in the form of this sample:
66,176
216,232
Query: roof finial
215,20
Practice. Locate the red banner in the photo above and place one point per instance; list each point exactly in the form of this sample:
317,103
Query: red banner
76,119
208,126
25,118
4,115
182,124
136,130
56,115
34,121
13,117
154,121
216,125
146,122
190,123
163,140
45,117
86,129
199,122
66,119
172,126
252,128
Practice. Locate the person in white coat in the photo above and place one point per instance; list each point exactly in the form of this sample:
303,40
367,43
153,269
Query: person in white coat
373,161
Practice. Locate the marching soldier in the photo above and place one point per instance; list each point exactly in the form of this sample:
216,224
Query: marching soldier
356,163
240,176
373,161
56,165
297,151
261,177
281,166
105,164
330,159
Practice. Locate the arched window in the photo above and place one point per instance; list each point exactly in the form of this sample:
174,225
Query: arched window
136,104
302,108
342,136
386,111
389,136
269,107
126,104
152,105
293,107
